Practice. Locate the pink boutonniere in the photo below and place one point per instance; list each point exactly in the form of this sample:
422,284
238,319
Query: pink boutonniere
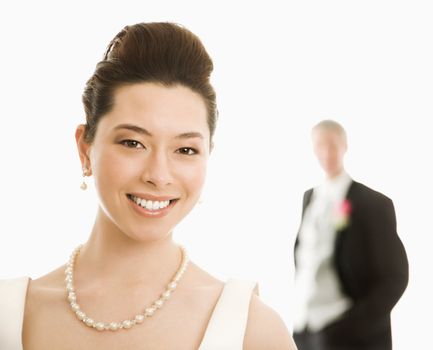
342,215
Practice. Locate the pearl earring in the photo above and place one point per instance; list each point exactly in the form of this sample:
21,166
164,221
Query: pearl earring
83,184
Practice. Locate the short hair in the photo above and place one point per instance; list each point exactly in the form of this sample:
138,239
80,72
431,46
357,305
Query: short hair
163,53
331,125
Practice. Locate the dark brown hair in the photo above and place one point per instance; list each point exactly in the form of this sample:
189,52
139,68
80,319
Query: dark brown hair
164,53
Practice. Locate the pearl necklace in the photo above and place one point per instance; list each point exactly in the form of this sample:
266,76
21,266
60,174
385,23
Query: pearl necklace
126,324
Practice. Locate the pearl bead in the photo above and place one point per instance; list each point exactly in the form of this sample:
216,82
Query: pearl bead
89,321
158,303
114,326
139,318
81,315
166,295
127,324
172,285
149,311
75,306
72,297
100,326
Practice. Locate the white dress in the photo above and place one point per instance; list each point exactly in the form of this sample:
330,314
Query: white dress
225,330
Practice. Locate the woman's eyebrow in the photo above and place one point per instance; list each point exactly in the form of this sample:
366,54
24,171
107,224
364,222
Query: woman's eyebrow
189,135
140,130
134,128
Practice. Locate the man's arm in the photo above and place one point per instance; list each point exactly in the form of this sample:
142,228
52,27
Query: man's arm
388,271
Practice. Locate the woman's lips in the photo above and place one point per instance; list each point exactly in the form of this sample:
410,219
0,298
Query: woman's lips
151,206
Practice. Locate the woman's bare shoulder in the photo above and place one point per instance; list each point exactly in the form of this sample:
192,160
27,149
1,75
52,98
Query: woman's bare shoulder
265,329
52,281
199,278
46,291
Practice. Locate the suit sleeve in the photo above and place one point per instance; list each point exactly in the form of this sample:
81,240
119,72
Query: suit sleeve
388,272
305,201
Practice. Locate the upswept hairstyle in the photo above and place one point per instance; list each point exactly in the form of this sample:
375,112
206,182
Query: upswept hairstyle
164,53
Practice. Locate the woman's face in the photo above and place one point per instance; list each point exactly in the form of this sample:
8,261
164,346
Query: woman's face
149,158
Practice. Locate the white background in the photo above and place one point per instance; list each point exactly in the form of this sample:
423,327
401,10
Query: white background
280,66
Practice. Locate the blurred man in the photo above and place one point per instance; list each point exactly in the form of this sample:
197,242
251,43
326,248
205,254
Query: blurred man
351,267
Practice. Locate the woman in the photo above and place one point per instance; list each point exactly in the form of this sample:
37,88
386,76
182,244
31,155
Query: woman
150,117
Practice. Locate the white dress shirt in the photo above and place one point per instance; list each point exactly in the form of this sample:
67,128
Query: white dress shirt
319,299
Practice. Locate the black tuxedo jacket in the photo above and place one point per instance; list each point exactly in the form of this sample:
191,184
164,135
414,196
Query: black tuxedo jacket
372,265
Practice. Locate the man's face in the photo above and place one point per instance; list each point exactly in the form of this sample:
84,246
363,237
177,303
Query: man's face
329,147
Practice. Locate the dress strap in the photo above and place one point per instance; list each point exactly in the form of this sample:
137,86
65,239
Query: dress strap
12,301
226,327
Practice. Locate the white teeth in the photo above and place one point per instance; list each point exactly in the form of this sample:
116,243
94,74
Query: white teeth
150,205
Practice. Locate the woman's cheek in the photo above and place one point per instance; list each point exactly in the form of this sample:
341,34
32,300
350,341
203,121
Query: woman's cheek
110,170
196,177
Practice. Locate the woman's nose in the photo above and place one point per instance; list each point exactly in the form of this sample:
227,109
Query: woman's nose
157,170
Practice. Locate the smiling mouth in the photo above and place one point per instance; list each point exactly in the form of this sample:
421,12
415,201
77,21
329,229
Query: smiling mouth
150,205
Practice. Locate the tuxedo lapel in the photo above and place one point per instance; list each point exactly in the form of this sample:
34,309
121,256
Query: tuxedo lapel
307,200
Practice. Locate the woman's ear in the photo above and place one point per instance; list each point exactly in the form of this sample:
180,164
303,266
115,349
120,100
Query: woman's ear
83,148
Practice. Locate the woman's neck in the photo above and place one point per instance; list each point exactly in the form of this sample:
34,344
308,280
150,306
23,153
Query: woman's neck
110,256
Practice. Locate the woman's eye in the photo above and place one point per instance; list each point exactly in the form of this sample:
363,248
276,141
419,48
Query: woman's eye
132,144
187,151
